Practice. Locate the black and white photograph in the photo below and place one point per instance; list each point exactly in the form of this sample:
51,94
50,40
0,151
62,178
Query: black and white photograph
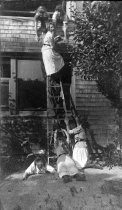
60,105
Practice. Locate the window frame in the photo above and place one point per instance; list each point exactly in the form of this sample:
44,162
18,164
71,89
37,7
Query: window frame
19,110
6,81
13,92
13,83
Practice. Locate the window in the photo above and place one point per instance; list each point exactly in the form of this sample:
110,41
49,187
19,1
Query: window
31,85
5,74
22,85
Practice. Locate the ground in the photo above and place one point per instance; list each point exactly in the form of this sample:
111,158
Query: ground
101,191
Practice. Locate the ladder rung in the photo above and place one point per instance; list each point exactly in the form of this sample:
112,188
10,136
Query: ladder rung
55,118
54,96
54,86
55,108
52,157
58,119
51,131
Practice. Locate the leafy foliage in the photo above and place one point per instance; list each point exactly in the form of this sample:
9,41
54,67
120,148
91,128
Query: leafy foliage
96,52
109,155
112,156
17,136
12,154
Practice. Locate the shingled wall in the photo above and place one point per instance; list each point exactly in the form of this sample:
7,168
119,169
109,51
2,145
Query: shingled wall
92,104
17,34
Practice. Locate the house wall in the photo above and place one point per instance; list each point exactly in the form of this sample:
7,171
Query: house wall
18,36
71,6
94,105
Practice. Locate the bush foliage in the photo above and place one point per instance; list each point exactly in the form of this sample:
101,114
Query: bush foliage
96,52
17,136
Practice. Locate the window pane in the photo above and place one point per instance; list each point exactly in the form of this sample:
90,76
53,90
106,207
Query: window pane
5,68
31,85
4,92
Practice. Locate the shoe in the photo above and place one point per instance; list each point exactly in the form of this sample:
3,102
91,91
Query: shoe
66,178
80,177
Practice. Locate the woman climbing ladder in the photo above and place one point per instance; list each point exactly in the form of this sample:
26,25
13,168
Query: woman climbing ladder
54,64
53,61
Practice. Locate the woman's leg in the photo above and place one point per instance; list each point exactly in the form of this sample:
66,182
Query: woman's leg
54,91
66,75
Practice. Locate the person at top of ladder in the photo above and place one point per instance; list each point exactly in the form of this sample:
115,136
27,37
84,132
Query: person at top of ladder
55,66
53,61
57,14
41,20
60,15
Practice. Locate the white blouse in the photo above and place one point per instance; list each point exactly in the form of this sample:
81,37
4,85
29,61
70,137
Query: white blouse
55,16
49,39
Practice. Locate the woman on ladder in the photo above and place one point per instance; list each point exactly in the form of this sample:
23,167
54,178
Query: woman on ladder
53,61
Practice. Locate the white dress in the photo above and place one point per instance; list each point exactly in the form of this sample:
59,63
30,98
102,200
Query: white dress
80,154
80,151
65,164
53,61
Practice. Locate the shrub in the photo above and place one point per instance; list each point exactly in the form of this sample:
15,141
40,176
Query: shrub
17,134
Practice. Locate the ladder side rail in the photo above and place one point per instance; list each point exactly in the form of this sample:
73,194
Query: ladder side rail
66,116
